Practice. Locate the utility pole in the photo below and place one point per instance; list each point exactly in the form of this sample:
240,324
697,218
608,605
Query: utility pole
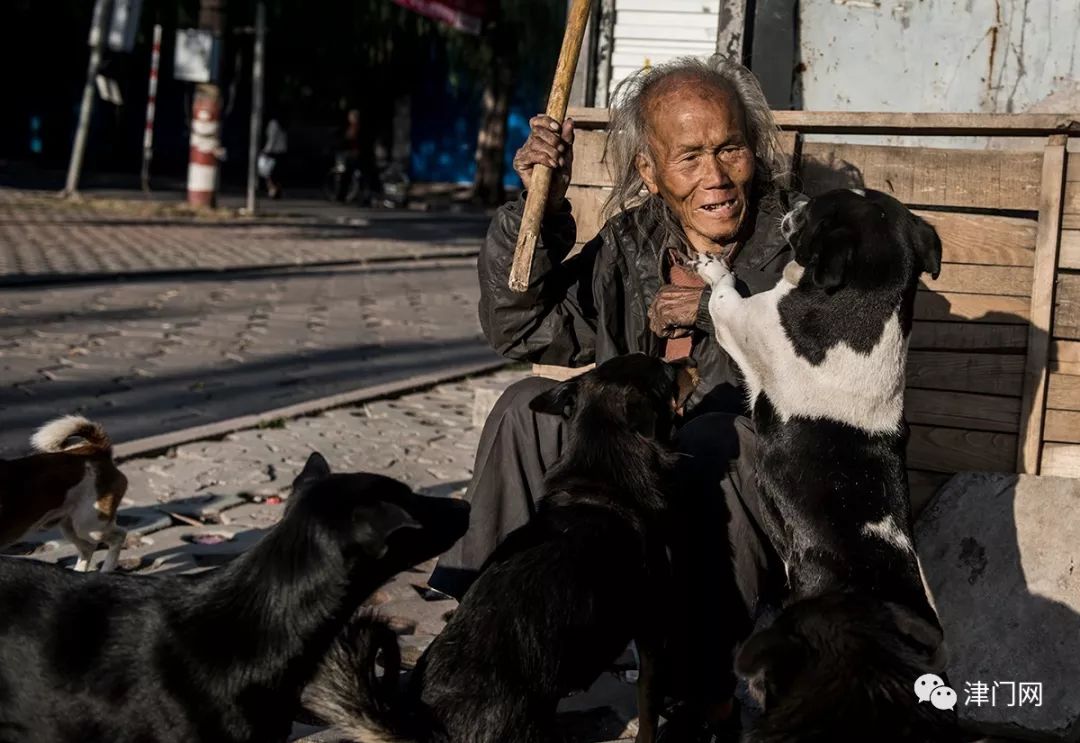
98,32
206,118
257,70
151,108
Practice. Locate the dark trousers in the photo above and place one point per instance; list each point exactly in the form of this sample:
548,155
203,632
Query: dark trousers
723,563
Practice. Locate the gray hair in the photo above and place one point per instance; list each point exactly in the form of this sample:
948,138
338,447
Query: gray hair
628,135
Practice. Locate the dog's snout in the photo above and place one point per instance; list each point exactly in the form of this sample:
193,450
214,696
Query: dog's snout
793,220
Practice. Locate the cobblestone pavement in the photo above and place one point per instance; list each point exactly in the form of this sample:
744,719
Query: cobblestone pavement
42,237
148,354
237,487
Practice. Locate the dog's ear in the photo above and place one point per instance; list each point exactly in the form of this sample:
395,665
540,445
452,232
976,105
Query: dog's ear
832,255
927,637
315,469
927,246
770,660
559,400
375,523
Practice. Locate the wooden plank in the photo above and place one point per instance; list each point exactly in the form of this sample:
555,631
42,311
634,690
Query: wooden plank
1065,357
590,164
1061,460
1072,171
955,450
1069,253
975,307
1063,392
983,238
1042,306
987,373
966,336
1071,205
962,410
1067,311
1012,281
926,176
923,486
1071,221
1062,425
875,122
587,206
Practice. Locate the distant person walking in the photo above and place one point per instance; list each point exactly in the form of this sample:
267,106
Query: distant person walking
273,152
358,147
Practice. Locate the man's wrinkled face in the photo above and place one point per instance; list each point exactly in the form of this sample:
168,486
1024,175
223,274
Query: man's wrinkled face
701,163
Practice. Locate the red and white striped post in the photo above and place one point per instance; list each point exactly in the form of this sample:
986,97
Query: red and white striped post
151,108
205,144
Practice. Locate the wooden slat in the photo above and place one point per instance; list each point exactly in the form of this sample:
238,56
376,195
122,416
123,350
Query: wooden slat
955,450
1071,221
1042,305
975,307
1069,253
1061,460
987,373
966,336
1063,392
925,176
1062,425
1065,357
875,122
587,207
962,410
1072,172
984,238
1072,198
1012,281
590,167
1067,312
924,486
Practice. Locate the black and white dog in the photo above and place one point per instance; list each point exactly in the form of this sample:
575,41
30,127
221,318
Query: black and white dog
823,359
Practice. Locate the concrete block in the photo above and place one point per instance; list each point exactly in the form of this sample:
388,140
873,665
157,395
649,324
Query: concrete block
1000,554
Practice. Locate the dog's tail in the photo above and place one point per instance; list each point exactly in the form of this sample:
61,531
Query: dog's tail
54,436
348,693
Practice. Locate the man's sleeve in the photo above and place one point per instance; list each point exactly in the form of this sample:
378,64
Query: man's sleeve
554,321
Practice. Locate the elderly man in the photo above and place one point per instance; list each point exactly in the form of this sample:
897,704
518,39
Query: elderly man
697,167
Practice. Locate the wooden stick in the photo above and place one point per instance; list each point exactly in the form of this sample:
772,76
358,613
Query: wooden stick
540,182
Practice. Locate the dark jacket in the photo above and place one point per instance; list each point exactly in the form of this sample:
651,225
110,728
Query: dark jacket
594,305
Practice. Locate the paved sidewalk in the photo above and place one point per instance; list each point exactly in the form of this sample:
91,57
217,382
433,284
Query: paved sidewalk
45,238
148,353
237,486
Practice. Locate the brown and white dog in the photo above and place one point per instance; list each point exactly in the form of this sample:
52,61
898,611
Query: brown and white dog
70,481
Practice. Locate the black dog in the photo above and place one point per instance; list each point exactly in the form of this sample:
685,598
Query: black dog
561,597
218,657
823,356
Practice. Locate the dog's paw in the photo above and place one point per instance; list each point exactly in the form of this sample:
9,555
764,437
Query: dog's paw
713,270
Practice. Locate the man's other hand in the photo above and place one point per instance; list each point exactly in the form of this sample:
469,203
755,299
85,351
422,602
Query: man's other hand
552,145
674,311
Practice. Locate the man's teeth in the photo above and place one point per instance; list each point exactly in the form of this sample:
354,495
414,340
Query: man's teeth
723,204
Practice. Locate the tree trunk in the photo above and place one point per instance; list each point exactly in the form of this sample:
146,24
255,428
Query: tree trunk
491,140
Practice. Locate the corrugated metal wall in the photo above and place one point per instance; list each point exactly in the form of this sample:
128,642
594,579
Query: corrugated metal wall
654,31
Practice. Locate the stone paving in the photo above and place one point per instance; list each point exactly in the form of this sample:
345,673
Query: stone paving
147,354
42,237
202,503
